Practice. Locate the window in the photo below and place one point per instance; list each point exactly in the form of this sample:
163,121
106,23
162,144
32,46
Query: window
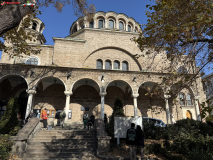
74,29
108,65
116,65
181,96
34,26
129,28
91,24
121,25
100,24
111,24
32,61
125,66
40,28
99,64
188,99
136,29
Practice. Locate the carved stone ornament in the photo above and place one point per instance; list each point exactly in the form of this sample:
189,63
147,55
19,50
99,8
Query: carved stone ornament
67,93
31,91
196,97
102,93
167,96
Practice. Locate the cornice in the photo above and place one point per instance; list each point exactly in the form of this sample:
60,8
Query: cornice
69,39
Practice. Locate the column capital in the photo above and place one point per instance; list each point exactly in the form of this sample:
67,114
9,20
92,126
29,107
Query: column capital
31,91
135,95
166,96
196,97
102,93
67,93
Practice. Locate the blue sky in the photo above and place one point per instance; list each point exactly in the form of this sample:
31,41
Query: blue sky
57,24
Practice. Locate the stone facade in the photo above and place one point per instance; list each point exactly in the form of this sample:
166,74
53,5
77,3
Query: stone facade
66,75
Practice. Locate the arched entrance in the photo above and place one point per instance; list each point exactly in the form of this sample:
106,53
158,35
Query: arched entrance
10,86
188,114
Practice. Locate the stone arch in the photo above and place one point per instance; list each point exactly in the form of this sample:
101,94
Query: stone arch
46,77
117,48
154,86
19,92
13,74
71,88
118,80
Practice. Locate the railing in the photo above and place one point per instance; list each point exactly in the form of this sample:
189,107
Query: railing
24,135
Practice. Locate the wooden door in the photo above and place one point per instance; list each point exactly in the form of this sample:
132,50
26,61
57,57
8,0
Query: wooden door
188,115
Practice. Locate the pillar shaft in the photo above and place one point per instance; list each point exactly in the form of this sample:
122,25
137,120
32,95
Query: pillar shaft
29,102
167,109
135,104
67,105
197,108
102,104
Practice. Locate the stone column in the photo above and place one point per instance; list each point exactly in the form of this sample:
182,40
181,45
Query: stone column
102,104
135,104
197,108
29,101
167,109
67,93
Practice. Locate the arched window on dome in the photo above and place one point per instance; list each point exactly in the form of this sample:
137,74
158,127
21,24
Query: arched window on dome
74,29
108,65
182,101
34,26
189,100
125,66
136,29
121,25
116,65
40,28
32,61
91,24
99,64
111,24
129,28
181,70
100,24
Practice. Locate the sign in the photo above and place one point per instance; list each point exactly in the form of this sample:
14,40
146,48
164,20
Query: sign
70,114
122,124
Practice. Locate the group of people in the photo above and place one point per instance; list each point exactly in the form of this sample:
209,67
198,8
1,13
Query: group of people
135,137
88,121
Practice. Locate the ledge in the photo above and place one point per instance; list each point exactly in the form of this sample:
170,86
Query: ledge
69,39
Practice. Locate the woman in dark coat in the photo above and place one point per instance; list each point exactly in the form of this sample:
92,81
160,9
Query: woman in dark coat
140,139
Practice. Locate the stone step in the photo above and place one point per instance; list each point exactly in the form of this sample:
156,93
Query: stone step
59,150
65,141
57,154
76,158
62,140
67,131
65,134
63,137
55,146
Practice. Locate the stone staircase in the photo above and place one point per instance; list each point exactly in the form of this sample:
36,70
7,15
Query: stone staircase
71,143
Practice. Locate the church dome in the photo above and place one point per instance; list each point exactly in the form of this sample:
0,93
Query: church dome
107,20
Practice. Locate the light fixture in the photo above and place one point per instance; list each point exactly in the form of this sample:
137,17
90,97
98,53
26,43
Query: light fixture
55,81
134,78
102,77
68,74
32,73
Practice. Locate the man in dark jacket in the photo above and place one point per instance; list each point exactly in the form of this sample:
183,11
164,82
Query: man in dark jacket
131,140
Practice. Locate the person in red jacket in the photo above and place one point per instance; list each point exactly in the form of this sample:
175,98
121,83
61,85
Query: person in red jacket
44,117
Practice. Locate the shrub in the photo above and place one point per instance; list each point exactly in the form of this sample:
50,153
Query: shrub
5,146
9,123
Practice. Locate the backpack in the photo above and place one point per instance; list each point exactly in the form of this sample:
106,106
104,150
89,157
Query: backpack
85,116
64,115
131,135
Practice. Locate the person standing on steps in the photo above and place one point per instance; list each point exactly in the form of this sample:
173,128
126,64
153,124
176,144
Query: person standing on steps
131,140
85,119
62,118
140,139
44,117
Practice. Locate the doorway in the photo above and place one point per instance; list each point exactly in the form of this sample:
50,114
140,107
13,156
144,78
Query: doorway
23,97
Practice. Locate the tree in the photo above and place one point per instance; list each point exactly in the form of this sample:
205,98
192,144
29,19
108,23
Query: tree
184,30
12,15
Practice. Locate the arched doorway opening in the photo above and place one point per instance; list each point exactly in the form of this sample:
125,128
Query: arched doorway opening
23,97
188,114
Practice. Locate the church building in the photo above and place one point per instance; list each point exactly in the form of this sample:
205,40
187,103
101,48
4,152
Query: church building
89,69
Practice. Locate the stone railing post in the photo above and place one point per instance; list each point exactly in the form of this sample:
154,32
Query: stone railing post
67,93
29,102
167,108
102,94
197,107
135,104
